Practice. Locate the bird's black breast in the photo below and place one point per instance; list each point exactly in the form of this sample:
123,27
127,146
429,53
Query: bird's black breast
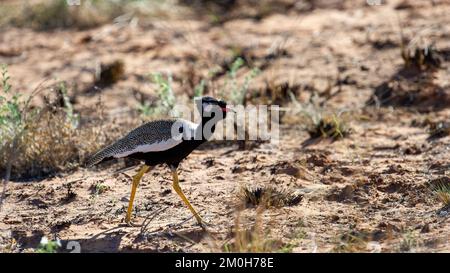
172,156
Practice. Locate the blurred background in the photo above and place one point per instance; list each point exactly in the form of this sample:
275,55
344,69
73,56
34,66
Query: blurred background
364,86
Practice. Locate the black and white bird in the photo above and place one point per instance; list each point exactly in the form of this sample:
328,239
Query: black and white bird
165,142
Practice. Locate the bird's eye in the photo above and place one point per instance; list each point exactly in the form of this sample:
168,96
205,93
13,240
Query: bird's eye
180,129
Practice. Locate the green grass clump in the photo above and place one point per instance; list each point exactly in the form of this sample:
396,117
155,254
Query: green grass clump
99,188
166,98
232,90
10,110
14,115
48,246
199,90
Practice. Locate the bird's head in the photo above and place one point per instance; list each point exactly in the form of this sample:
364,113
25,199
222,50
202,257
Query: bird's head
212,107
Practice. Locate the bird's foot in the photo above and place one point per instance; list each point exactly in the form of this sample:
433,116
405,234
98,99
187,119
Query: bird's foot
128,223
204,225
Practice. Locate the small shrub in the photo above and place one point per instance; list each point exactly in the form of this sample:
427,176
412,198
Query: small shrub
166,98
320,123
410,242
48,246
252,239
41,140
237,92
58,14
54,14
98,188
352,241
329,127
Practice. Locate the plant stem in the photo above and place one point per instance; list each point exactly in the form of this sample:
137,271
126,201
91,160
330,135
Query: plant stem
8,172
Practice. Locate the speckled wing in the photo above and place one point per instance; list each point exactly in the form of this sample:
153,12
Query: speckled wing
159,135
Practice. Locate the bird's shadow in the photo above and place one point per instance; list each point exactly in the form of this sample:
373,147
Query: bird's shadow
109,242
110,239
106,242
172,231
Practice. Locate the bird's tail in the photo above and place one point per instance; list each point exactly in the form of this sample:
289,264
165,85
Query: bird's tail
99,156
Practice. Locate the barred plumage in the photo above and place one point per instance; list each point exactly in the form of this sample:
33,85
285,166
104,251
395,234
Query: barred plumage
149,137
164,142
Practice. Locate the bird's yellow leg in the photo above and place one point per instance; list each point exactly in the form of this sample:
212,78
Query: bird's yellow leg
176,187
136,179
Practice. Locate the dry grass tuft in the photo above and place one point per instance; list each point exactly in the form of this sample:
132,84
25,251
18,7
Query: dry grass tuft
410,242
38,141
332,126
426,58
414,85
220,11
441,189
318,122
61,14
55,14
251,238
268,197
352,241
52,144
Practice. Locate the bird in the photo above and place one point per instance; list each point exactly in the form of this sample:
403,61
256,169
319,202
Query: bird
165,142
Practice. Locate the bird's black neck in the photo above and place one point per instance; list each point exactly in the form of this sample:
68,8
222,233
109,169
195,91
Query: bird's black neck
206,129
202,131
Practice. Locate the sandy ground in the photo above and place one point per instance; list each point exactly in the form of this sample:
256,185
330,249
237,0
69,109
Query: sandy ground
371,186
